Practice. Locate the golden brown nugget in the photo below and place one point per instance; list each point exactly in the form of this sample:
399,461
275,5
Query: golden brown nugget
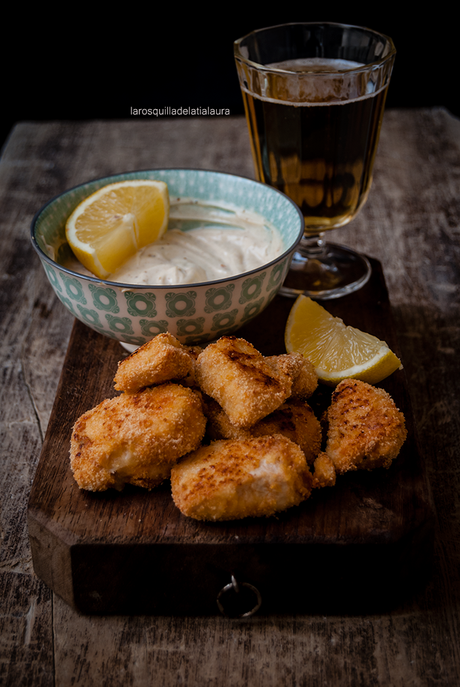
241,380
294,420
160,360
300,370
365,428
234,479
136,438
324,474
194,351
190,377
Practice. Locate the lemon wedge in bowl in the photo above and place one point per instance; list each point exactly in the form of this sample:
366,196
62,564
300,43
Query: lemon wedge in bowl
336,350
111,224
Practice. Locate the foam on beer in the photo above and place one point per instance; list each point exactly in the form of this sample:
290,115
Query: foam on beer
295,86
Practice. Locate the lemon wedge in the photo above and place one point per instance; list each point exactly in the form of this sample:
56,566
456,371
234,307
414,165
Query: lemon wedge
336,350
110,225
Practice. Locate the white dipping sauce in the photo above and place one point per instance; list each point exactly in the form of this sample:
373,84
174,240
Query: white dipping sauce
203,243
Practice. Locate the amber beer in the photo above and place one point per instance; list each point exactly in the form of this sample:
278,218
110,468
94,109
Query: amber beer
320,151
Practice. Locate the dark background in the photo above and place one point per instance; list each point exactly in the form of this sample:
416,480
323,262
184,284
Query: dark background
83,67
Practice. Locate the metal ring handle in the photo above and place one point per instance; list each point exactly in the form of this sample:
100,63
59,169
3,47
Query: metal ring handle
236,588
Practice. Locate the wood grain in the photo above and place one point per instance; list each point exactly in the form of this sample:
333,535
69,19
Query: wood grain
411,224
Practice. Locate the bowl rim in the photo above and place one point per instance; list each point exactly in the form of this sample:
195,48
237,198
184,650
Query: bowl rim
42,255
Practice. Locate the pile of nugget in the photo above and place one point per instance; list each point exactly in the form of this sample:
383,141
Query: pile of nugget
230,428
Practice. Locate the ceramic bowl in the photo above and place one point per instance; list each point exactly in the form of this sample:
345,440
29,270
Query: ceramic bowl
194,313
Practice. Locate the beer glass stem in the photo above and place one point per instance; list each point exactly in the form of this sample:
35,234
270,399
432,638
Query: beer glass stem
313,246
330,270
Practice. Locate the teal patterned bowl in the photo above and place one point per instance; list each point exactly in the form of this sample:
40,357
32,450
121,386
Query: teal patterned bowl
194,313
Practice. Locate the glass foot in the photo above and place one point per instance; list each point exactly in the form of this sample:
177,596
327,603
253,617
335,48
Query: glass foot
337,272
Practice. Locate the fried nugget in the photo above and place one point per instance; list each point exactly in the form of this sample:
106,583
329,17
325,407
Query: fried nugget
190,377
365,428
160,360
234,479
300,370
136,438
294,420
324,474
236,375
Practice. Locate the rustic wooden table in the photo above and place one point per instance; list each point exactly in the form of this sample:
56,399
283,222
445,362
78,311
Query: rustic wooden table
411,223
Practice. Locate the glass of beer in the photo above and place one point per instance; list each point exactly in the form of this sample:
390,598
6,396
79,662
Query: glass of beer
314,95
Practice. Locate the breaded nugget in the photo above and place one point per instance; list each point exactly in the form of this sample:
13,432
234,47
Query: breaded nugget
300,370
294,420
194,351
190,378
241,380
324,474
365,428
234,479
136,438
160,360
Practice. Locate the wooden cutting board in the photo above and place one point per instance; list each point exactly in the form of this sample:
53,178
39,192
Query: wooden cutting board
359,546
